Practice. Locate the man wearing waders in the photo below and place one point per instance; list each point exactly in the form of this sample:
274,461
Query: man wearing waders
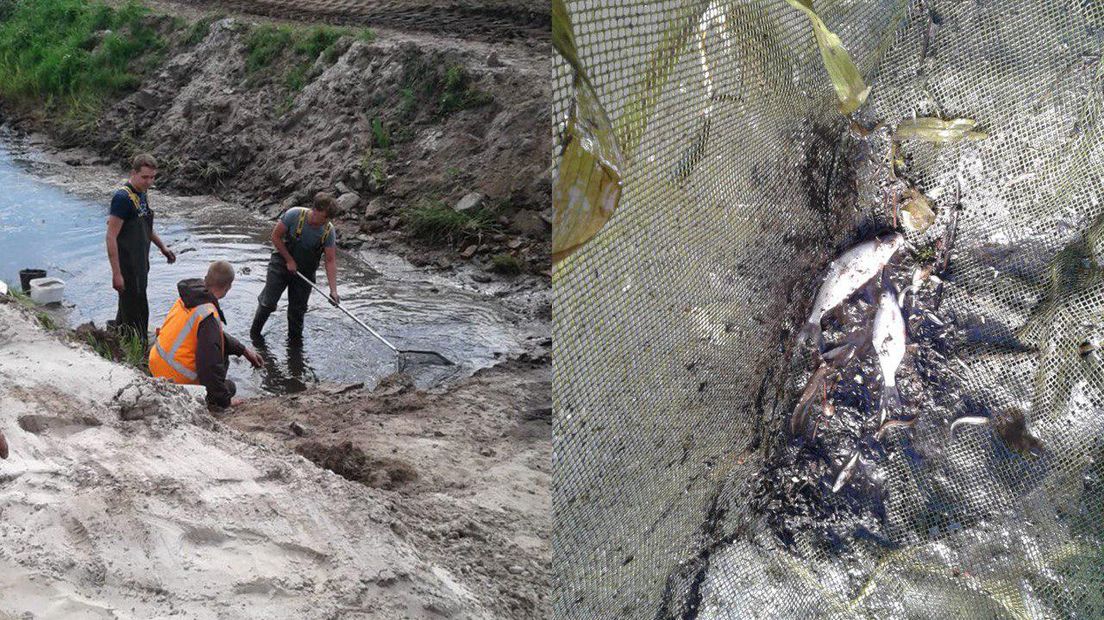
129,233
302,238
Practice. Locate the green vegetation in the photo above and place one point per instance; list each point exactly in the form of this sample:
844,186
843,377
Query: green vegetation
101,348
122,344
66,57
457,92
199,30
382,138
378,176
925,254
433,221
451,87
408,105
134,351
212,172
46,321
367,35
266,44
296,78
315,40
24,300
506,264
20,297
374,171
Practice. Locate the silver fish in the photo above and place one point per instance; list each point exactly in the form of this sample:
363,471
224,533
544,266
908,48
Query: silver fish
888,424
888,338
975,420
846,473
849,272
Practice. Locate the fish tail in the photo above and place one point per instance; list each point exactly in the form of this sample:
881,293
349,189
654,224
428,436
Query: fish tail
891,399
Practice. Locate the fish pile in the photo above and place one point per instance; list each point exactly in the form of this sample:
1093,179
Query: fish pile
871,269
857,268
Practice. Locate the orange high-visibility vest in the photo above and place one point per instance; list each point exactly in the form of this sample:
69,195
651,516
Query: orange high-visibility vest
174,355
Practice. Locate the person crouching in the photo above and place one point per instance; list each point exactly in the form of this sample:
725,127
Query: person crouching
191,346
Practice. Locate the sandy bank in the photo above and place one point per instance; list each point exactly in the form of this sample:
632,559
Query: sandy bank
168,512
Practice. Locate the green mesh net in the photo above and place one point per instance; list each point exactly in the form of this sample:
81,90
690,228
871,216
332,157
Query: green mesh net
679,490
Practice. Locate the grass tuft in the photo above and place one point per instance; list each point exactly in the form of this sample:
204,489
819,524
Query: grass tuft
101,348
506,264
200,29
457,92
46,321
382,138
315,40
20,297
133,349
438,223
264,44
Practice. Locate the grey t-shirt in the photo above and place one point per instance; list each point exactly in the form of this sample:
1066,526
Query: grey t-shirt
311,234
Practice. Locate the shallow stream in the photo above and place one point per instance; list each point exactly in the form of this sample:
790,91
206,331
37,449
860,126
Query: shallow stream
57,224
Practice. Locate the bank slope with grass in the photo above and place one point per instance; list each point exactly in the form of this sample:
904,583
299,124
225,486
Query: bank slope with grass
437,148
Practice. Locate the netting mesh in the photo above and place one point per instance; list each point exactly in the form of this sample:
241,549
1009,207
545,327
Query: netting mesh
675,364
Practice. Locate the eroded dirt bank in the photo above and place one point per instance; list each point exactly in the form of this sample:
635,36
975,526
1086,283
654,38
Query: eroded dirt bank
466,471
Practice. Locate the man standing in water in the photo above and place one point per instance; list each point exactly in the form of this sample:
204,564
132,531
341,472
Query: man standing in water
303,237
129,233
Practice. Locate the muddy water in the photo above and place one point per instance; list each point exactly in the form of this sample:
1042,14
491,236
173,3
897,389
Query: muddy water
44,226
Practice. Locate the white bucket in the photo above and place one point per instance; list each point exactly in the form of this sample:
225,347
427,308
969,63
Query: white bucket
47,290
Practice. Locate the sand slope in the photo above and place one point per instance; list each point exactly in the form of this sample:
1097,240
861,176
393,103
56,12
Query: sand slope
172,514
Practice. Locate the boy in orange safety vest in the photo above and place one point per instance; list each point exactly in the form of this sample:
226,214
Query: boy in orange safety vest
191,346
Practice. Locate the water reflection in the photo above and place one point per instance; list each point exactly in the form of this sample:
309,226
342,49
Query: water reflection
294,375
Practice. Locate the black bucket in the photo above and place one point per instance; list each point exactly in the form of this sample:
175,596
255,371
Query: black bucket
26,275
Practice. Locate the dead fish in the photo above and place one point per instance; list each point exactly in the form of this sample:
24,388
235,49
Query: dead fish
976,420
919,276
3,446
846,473
889,342
835,358
813,388
888,424
847,274
839,356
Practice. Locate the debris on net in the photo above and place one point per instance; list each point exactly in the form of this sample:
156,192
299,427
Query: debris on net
917,214
588,186
850,88
938,130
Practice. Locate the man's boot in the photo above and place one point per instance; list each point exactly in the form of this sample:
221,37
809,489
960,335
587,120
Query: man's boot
295,326
259,322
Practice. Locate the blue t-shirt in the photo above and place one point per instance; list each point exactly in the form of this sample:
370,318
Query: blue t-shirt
123,207
135,233
311,235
